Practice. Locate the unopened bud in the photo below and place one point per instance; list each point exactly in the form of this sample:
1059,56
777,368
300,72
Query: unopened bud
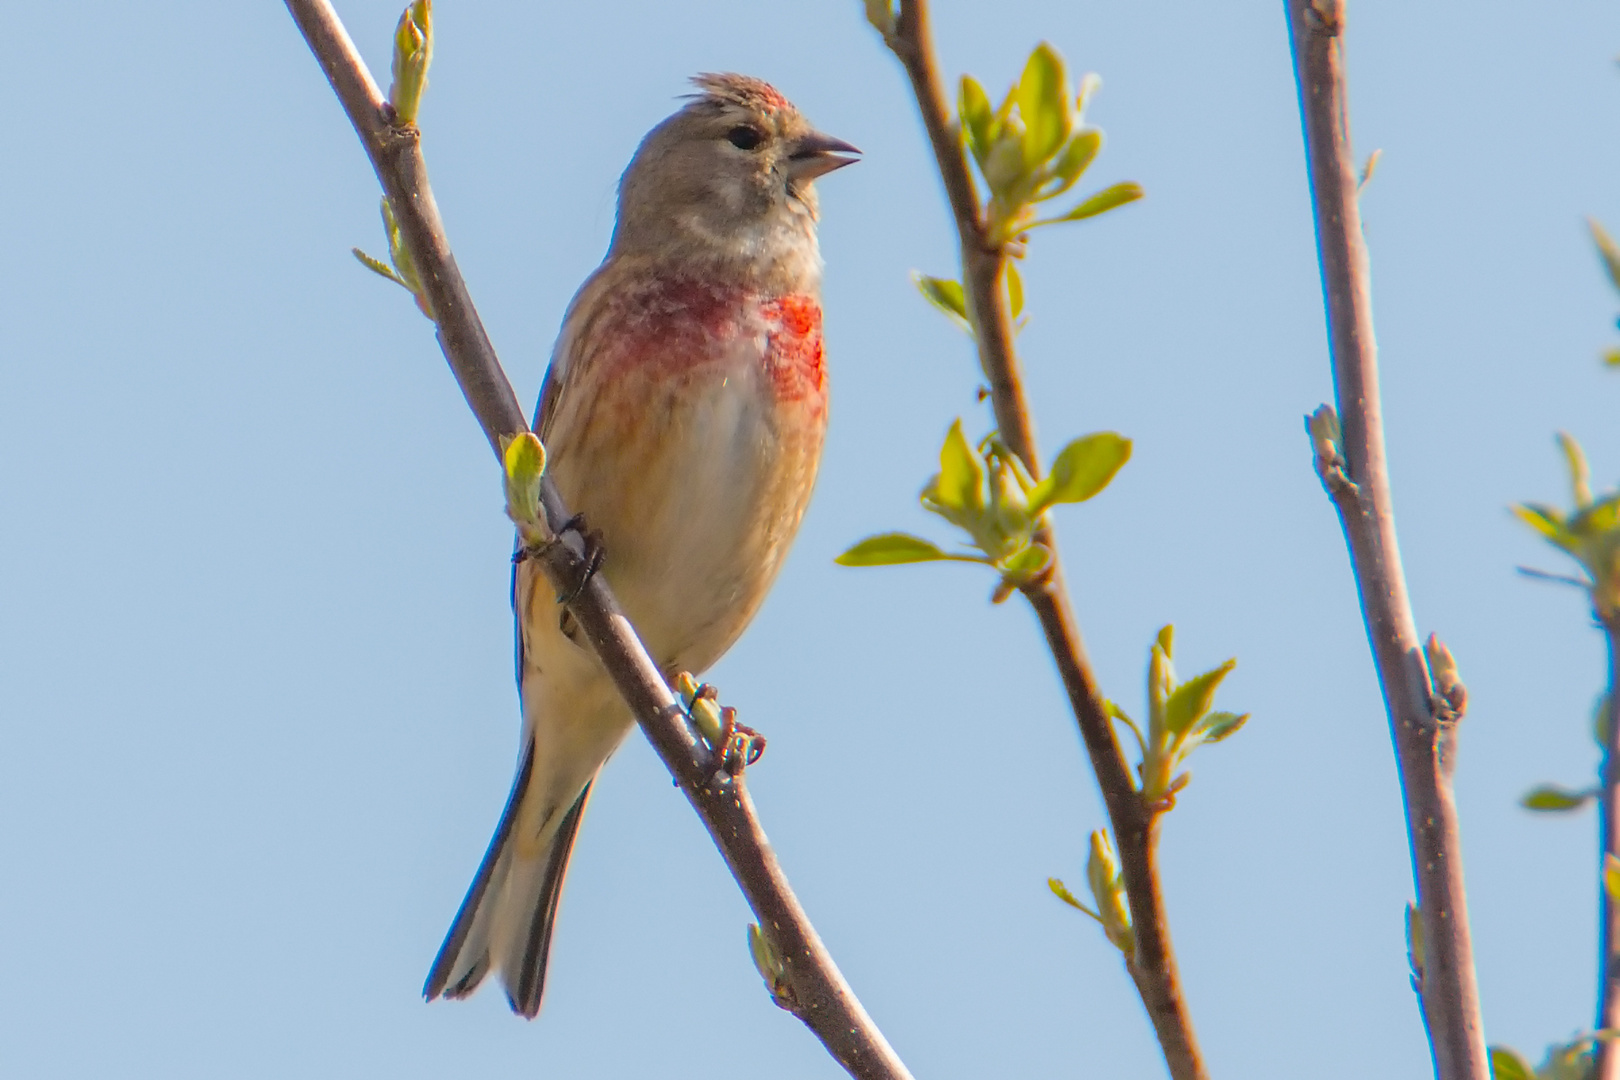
1327,438
1448,685
1102,874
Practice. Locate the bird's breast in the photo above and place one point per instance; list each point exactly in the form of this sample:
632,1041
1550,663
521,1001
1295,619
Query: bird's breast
690,434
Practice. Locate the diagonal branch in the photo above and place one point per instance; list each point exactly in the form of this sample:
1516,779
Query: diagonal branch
1135,825
809,983
1424,734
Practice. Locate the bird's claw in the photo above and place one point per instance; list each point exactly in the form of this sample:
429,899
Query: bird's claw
740,746
594,553
737,745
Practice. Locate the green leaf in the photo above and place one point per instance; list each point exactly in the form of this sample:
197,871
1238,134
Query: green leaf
1545,520
1218,725
1061,891
1193,698
891,549
1506,1064
1081,470
960,483
1072,163
1552,799
378,267
1579,475
1611,876
1104,201
1606,249
1015,290
947,296
977,118
1043,102
1166,638
1611,358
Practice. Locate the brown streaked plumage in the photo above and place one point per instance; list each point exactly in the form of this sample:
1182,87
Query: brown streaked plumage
683,414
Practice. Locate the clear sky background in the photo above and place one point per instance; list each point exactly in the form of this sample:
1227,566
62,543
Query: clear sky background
257,717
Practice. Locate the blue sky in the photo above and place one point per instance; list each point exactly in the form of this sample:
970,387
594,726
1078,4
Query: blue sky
256,710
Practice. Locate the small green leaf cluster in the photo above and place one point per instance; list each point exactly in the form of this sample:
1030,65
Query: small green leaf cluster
986,492
1610,254
403,271
1181,718
1034,147
413,52
1030,149
1570,1061
1589,533
1113,910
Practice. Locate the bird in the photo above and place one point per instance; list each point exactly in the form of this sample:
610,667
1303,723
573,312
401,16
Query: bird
683,415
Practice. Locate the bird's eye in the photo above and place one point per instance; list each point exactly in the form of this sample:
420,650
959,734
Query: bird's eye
745,137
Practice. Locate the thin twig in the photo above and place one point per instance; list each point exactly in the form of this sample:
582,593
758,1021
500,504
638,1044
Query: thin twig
1608,1012
1424,742
1135,825
810,984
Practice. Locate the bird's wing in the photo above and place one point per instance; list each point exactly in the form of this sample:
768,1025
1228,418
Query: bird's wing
563,363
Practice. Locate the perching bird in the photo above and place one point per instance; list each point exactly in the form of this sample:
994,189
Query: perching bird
683,416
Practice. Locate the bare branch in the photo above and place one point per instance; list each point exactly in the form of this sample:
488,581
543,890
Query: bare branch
1608,1013
1135,825
811,985
1424,741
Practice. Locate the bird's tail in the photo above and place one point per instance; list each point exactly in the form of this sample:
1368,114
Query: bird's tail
506,919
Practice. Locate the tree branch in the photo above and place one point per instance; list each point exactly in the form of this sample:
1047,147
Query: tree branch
1135,825
810,984
1423,735
1608,1013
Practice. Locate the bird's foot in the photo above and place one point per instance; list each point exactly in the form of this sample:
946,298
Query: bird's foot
593,555
740,746
736,746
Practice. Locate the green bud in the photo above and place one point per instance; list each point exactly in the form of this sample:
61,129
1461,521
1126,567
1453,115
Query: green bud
1326,438
524,458
1004,165
768,962
1448,685
1414,942
413,52
880,13
1102,874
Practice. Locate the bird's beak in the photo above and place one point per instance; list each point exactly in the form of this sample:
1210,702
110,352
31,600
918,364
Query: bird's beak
817,155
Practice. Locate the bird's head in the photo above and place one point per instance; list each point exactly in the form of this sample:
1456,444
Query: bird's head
729,176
